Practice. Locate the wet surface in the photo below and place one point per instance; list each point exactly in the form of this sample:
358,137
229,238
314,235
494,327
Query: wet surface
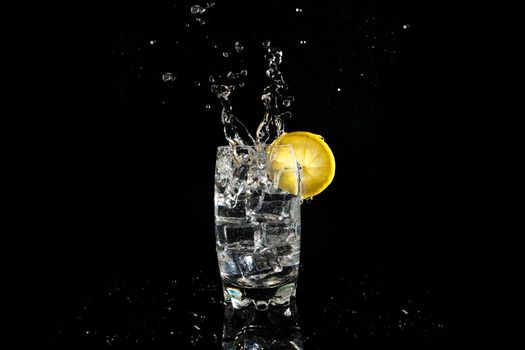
353,308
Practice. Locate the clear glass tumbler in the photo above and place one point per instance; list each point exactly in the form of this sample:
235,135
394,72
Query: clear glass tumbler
257,224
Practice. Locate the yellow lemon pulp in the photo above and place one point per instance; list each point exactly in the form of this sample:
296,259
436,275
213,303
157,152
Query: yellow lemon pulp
315,158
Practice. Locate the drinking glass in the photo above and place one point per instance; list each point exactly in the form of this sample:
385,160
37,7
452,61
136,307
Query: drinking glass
257,224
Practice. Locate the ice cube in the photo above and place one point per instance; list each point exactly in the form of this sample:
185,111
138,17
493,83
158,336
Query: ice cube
233,235
277,206
259,265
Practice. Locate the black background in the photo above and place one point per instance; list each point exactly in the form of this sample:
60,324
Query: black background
130,159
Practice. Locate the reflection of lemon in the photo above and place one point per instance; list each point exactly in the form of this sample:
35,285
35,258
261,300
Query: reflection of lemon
315,157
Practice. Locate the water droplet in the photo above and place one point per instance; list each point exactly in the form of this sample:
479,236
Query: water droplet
243,73
168,77
339,89
196,327
298,10
225,54
197,83
152,42
200,21
197,10
186,25
222,91
208,106
238,47
266,44
211,79
288,101
302,42
210,4
87,332
288,313
172,332
404,311
241,84
406,26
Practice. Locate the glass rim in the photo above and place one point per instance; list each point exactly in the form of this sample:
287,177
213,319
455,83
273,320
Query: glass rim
252,146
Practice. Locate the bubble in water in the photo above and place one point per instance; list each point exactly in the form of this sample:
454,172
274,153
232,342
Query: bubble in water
225,54
211,79
168,77
238,47
266,44
197,10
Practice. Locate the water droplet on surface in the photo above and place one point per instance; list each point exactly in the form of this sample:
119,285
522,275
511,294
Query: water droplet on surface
225,54
266,44
168,77
238,47
197,10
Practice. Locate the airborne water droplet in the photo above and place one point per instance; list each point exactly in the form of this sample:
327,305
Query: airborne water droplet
168,77
208,106
225,54
200,21
197,10
266,44
197,83
238,47
298,9
241,84
243,73
211,79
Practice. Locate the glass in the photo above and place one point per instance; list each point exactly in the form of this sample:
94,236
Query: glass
257,224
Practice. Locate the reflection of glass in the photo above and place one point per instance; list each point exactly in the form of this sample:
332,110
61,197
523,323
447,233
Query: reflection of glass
275,328
257,225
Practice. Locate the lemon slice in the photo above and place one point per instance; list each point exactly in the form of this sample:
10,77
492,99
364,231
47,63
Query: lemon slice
315,158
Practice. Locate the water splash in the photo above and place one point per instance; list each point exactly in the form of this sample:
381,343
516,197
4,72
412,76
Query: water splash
275,99
233,127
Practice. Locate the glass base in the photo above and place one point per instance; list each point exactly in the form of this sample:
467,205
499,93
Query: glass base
242,297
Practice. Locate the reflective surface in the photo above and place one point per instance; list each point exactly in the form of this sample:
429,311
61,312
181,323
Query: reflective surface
354,308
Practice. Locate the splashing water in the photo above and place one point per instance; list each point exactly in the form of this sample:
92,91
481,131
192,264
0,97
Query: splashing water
274,99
